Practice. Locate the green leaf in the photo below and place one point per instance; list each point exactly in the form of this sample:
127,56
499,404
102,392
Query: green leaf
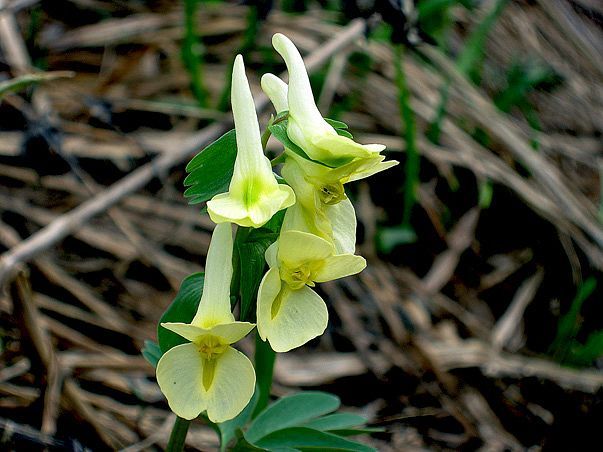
341,424
211,169
279,131
183,309
193,52
291,411
469,63
344,133
335,421
523,78
585,354
229,429
18,83
429,8
356,431
275,223
390,237
470,58
569,323
336,124
242,445
151,352
409,123
282,115
251,255
264,359
486,190
303,438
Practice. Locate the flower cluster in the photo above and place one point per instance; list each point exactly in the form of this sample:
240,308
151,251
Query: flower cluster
316,243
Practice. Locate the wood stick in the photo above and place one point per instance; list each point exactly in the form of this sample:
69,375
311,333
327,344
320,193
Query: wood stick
507,326
77,288
9,429
576,206
11,43
35,326
476,353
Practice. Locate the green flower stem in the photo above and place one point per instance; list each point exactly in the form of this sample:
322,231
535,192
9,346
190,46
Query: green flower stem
278,160
266,136
235,284
264,368
178,435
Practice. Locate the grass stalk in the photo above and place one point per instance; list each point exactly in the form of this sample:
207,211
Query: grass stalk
410,135
192,52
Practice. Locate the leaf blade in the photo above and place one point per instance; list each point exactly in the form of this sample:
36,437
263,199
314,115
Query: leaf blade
151,352
210,171
336,421
291,411
229,428
182,309
304,438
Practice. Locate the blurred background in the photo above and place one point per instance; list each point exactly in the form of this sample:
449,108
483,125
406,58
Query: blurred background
478,323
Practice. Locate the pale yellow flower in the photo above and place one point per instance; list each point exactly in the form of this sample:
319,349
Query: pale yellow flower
327,182
207,374
306,127
254,195
289,312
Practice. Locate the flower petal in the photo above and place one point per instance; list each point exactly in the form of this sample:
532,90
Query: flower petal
225,207
233,207
294,174
337,150
229,333
313,221
214,307
232,386
267,293
317,174
186,330
381,166
271,254
296,248
301,315
254,195
340,266
342,218
281,197
306,127
232,332
276,90
179,374
300,97
250,156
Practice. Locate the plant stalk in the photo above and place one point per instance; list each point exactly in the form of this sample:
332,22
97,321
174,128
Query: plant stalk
264,368
178,435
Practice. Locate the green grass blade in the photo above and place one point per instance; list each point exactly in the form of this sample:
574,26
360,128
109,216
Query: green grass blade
192,52
468,62
410,135
19,83
569,324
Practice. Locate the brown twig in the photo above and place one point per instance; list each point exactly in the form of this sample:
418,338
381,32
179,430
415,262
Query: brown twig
35,327
11,43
